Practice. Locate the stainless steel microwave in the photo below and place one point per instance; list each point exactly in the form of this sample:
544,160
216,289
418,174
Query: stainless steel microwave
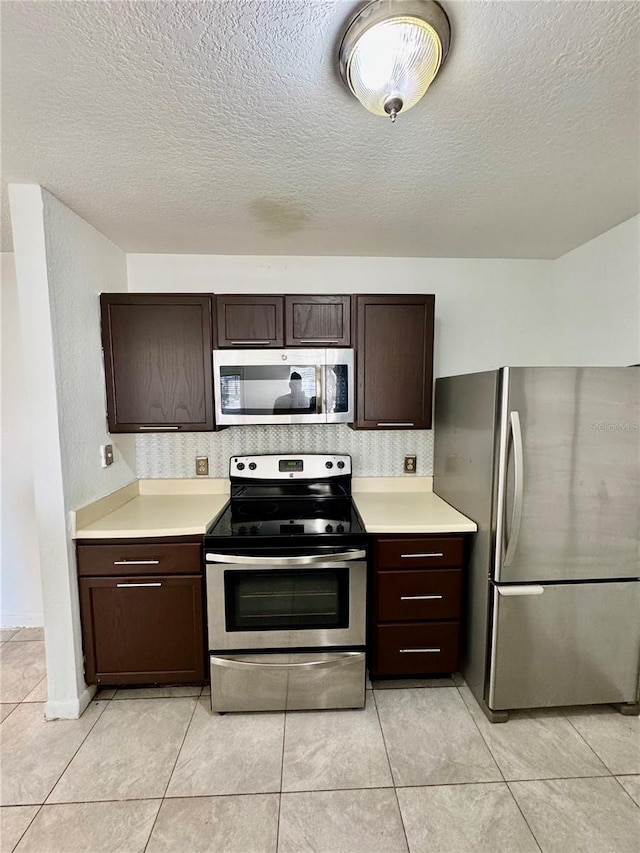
283,386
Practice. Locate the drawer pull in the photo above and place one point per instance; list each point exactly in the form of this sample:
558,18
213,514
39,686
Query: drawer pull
324,343
395,424
420,597
158,428
250,343
432,554
418,651
128,585
136,562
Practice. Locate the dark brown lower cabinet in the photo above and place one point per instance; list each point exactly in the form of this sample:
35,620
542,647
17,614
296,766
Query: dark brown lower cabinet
137,627
416,618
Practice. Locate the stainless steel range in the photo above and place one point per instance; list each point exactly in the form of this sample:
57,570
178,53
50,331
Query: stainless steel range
286,576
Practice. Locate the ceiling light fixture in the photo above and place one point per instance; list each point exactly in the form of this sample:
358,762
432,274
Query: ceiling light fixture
392,51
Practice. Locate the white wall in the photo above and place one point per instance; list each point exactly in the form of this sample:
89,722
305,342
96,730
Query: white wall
597,297
581,309
20,586
488,312
62,263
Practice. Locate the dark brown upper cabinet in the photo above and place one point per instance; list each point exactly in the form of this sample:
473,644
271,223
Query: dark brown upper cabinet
157,356
250,321
312,321
394,361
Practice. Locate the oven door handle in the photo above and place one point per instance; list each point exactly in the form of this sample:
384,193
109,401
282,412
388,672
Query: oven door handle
285,562
233,663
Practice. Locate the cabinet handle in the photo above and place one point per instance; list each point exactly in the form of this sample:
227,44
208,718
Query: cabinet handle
432,554
418,651
396,424
323,343
250,343
158,428
136,562
419,597
127,585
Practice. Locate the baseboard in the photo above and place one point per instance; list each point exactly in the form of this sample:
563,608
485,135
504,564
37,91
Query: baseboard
22,620
71,709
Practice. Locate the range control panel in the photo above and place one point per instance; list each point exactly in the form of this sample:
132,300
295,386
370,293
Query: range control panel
292,466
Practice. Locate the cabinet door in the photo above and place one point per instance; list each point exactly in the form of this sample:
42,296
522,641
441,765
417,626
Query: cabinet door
394,358
157,355
317,321
250,321
142,630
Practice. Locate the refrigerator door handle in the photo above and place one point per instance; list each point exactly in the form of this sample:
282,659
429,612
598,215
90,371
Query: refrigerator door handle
521,589
518,493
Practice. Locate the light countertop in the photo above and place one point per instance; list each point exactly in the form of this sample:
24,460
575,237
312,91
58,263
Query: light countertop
150,508
153,508
410,512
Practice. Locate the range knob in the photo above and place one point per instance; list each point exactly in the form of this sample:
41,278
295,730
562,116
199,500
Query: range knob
240,466
328,464
329,528
341,464
252,466
340,528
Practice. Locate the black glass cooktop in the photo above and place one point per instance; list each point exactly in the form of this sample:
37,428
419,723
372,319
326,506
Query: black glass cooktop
283,516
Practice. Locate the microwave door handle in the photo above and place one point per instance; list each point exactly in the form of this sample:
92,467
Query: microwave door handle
285,562
320,389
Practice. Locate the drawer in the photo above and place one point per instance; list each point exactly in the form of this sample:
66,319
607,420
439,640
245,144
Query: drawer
419,552
123,559
416,649
409,596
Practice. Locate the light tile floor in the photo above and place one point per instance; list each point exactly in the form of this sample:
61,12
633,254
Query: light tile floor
419,769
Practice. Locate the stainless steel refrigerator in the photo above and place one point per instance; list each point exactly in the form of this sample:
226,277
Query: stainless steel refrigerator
546,461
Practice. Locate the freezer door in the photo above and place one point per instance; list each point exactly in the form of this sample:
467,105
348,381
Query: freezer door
568,475
564,644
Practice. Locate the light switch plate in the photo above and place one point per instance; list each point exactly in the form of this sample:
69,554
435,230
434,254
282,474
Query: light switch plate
410,464
106,455
202,466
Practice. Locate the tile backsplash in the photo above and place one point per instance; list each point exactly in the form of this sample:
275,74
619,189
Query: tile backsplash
375,453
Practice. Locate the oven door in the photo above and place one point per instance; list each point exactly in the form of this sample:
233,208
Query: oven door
293,602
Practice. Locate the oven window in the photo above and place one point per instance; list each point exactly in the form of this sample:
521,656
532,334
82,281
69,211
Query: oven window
272,600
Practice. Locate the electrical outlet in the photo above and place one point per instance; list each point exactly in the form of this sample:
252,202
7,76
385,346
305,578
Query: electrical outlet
202,466
106,455
410,464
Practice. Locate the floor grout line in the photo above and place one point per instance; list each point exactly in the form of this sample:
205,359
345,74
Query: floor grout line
284,735
186,732
601,760
107,703
29,825
625,790
484,740
524,817
495,761
395,787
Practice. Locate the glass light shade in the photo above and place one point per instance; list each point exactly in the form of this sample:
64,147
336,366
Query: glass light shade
395,58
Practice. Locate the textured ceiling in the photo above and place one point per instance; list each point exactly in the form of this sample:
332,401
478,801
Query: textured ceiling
222,127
